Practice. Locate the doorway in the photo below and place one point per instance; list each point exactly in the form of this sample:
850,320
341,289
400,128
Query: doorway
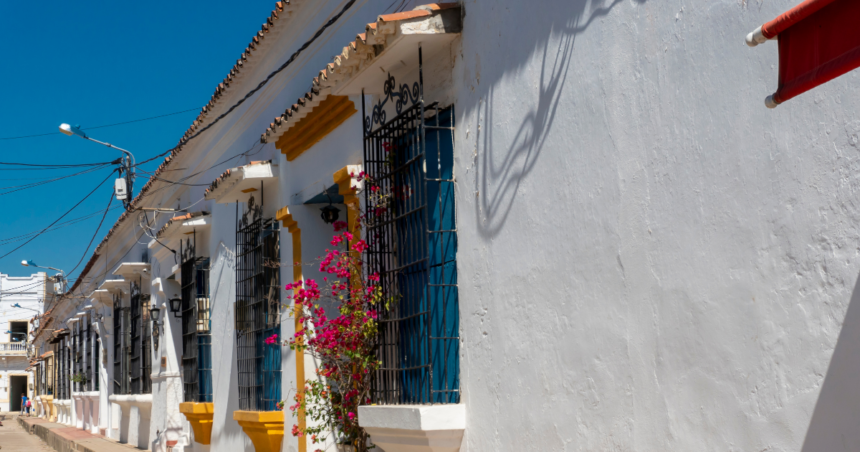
17,386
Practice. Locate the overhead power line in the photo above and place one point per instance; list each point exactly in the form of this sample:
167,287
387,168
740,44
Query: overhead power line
37,184
101,127
61,217
87,250
263,83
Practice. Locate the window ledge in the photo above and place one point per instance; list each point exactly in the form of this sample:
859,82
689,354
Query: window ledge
265,428
200,415
414,428
85,395
142,401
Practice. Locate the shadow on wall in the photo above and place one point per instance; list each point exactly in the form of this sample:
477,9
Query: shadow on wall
231,433
835,421
499,173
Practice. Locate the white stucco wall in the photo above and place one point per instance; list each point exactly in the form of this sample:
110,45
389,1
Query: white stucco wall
649,259
29,292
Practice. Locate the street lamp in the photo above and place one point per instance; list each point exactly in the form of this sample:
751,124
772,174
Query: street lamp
61,276
123,187
18,305
154,314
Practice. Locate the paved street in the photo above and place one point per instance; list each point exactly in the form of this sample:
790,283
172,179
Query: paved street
14,439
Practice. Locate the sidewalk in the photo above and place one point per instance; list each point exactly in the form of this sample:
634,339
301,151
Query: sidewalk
13,438
63,438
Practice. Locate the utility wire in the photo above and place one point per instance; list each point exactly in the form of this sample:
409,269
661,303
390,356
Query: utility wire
61,217
106,125
64,224
37,184
263,83
63,165
87,250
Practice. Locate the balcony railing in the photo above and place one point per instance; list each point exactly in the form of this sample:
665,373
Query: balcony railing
13,348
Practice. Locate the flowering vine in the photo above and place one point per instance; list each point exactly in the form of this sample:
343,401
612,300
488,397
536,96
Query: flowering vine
342,342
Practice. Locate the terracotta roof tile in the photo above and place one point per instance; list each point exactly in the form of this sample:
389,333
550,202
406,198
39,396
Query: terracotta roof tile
282,10
180,218
355,55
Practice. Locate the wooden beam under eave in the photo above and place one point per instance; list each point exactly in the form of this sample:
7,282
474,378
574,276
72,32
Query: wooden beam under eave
321,121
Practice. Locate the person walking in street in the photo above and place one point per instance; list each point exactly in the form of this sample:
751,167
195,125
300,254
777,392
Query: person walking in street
29,407
23,403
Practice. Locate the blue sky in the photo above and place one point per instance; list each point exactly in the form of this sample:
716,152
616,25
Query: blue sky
96,63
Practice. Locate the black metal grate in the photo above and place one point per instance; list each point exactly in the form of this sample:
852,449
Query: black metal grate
76,352
412,240
120,349
95,360
140,353
257,310
136,345
196,326
89,355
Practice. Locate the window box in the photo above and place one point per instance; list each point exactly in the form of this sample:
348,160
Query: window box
414,428
265,428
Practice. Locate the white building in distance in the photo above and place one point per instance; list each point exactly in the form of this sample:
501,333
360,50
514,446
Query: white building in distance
21,299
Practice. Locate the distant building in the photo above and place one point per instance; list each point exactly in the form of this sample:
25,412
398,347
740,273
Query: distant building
16,323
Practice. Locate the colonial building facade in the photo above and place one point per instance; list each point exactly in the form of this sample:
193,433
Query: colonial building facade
600,237
21,302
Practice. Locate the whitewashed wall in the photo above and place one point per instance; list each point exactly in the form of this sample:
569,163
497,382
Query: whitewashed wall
649,258
29,292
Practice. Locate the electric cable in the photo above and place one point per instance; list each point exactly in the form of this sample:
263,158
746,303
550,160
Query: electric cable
86,251
61,217
106,125
38,184
265,81
64,224
62,165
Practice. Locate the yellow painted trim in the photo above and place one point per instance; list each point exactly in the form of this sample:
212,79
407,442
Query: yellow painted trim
265,428
200,415
322,120
345,184
286,218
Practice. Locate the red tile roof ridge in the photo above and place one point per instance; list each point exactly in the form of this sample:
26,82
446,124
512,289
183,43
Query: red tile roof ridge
354,54
278,13
173,220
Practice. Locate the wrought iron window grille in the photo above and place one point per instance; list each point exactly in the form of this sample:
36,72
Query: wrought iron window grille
121,358
412,238
196,325
257,309
89,357
140,349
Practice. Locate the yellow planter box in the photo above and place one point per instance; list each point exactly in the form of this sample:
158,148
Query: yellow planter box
200,416
50,411
265,428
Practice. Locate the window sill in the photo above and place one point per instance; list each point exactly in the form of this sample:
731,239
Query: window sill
265,428
85,395
142,401
200,415
414,428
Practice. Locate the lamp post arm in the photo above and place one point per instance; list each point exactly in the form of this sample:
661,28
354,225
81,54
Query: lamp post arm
129,154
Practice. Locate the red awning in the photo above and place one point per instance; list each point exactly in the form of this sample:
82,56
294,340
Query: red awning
819,40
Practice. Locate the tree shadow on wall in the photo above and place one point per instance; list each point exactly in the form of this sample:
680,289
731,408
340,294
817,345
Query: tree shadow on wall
835,424
500,173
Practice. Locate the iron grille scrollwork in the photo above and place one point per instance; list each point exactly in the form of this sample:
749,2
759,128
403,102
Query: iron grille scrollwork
411,233
196,325
402,96
257,310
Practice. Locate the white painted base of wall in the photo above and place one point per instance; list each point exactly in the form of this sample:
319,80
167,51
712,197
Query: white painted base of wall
415,428
135,411
64,411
